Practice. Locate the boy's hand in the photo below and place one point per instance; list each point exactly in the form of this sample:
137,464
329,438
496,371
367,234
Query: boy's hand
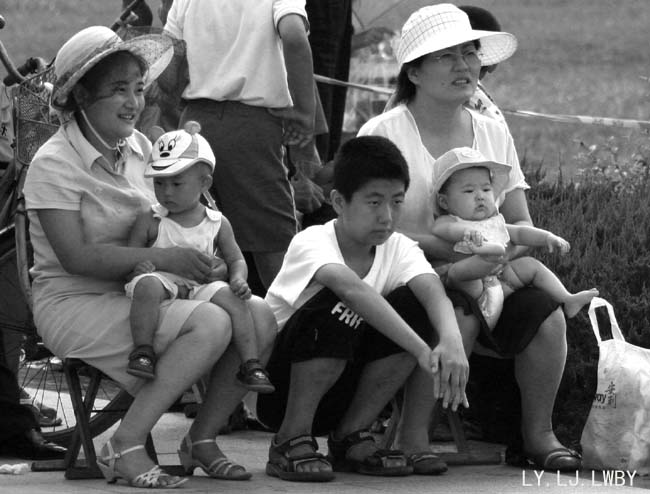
240,288
448,363
553,242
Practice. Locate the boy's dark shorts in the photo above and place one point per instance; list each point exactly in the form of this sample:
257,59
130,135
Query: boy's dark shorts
523,313
324,328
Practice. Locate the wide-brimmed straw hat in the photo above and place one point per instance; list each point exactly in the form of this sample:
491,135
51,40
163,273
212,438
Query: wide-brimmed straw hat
444,25
175,151
91,45
457,159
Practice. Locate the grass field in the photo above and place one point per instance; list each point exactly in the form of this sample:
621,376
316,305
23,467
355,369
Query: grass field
585,57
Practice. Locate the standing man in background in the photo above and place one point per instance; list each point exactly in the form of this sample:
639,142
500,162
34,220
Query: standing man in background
251,89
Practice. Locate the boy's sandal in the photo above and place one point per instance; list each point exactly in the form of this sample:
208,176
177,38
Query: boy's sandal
254,377
284,465
142,362
426,463
221,468
558,459
375,464
154,478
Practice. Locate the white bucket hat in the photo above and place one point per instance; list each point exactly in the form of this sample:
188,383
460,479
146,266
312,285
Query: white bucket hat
175,151
441,26
457,159
91,45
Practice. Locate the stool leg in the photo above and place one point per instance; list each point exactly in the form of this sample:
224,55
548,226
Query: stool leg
82,437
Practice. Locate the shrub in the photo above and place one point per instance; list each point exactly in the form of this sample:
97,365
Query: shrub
605,213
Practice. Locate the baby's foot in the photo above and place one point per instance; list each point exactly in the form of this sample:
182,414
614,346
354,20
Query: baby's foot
577,301
254,377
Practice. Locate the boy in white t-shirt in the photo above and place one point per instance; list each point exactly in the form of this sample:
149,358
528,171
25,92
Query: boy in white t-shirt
359,307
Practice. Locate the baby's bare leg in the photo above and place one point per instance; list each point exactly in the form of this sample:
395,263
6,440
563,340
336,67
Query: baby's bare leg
148,293
529,271
243,327
467,275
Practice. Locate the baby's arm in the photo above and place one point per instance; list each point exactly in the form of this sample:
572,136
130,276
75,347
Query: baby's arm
536,237
451,230
234,258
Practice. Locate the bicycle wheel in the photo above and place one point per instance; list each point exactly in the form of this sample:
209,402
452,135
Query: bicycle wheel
37,370
45,383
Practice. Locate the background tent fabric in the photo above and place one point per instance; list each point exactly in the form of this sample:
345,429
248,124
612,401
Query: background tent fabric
387,13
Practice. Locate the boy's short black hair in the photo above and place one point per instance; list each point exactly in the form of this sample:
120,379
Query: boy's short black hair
365,158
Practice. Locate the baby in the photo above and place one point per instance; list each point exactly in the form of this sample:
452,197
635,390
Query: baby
466,186
181,165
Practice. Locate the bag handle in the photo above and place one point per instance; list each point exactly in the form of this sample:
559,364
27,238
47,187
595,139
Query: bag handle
597,302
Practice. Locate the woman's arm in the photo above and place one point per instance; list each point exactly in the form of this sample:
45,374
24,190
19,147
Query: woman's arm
436,250
64,231
515,210
140,235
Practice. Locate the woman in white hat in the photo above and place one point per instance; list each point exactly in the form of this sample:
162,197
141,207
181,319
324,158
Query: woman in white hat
83,191
441,58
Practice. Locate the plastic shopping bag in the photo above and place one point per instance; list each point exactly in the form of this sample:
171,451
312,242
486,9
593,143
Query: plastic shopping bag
617,432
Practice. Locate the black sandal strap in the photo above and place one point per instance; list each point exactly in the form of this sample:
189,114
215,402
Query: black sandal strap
339,447
291,443
143,351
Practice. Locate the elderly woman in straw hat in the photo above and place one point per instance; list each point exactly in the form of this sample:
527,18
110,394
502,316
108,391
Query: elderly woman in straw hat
84,189
441,58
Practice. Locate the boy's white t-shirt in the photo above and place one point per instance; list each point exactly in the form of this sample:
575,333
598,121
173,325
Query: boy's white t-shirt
397,261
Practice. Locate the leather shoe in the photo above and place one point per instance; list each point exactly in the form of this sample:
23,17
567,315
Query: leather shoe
32,446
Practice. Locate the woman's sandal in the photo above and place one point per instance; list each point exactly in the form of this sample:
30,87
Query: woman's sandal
558,459
254,377
221,468
283,465
149,479
374,464
142,362
426,463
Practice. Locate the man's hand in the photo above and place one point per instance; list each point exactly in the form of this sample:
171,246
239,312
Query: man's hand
298,126
308,195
